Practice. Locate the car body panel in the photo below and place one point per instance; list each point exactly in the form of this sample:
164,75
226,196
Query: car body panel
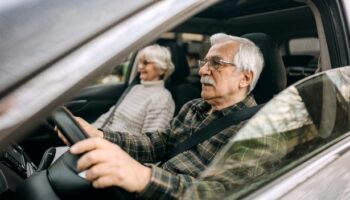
73,70
27,38
88,42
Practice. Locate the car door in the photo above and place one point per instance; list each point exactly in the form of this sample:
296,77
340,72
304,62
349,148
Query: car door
291,144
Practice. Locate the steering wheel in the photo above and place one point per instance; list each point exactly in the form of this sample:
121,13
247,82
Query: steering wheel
62,180
70,128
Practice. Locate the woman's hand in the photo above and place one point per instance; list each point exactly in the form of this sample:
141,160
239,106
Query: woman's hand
60,135
89,129
108,165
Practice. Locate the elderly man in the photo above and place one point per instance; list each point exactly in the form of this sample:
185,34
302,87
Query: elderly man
228,73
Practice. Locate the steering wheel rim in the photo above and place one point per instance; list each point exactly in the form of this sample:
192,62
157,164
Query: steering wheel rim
65,167
62,180
69,127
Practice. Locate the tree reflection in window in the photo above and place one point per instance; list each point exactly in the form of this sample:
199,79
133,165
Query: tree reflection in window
294,126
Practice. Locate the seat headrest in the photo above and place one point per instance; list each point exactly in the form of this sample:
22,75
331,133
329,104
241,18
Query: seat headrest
178,56
273,77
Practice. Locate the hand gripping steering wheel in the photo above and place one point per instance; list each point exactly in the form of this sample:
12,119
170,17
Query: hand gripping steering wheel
61,179
70,128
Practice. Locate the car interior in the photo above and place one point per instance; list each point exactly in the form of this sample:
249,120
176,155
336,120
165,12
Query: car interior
284,30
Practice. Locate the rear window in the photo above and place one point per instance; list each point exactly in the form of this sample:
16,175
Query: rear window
304,46
301,58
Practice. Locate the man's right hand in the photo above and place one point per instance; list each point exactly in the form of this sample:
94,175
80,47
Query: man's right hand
89,129
107,165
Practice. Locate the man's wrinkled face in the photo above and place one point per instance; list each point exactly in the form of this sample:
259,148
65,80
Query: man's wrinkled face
219,77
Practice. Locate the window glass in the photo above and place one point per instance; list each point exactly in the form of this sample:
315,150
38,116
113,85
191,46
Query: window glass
287,131
302,59
190,37
304,46
116,75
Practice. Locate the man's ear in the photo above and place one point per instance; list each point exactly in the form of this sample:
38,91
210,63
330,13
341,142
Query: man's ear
247,79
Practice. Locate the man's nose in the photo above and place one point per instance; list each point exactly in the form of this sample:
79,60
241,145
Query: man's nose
204,70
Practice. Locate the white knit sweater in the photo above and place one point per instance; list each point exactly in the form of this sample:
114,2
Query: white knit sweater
147,107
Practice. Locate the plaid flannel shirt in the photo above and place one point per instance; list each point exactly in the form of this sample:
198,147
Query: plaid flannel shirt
170,180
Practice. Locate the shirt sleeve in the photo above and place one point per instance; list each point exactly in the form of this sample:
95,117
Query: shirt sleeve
151,146
165,185
147,147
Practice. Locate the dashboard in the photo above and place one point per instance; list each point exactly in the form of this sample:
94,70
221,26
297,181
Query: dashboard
15,167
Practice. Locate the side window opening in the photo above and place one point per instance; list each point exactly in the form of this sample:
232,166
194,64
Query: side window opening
301,58
117,75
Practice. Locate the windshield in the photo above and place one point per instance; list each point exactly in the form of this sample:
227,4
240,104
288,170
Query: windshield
294,126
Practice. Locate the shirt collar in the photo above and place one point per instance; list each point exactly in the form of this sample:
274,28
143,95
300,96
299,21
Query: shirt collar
153,83
249,101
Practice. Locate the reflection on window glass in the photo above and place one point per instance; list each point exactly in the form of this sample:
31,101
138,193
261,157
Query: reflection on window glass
294,126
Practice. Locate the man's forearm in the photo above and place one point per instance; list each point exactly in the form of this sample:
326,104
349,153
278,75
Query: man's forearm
166,185
141,146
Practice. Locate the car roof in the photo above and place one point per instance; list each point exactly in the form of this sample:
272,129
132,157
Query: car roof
242,17
236,8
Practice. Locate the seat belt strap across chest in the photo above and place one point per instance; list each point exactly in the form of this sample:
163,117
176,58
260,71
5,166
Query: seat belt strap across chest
126,91
212,129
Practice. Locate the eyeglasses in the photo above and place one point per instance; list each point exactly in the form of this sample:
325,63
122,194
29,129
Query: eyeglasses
214,64
145,62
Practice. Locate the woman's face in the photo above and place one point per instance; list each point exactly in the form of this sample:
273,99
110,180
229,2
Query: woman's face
148,70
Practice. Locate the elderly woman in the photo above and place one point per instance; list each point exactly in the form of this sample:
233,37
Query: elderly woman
149,106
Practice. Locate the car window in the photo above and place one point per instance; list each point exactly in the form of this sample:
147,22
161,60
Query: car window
117,74
297,124
309,46
301,58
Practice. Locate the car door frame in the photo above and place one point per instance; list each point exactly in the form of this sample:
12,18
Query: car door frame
79,66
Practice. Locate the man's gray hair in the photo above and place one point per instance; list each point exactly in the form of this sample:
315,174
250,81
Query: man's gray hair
161,56
247,58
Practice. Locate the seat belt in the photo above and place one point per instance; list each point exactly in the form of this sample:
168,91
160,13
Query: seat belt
212,129
126,91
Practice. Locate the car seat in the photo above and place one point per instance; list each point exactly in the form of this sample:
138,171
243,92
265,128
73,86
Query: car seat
181,89
273,78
